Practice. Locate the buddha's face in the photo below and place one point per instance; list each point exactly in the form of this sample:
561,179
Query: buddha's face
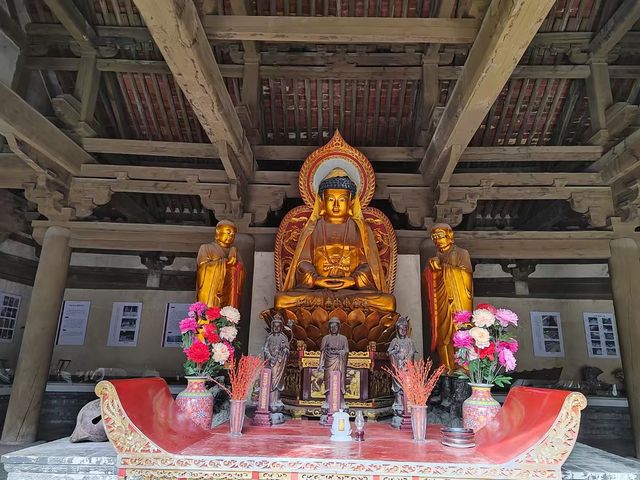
442,238
337,203
225,234
334,327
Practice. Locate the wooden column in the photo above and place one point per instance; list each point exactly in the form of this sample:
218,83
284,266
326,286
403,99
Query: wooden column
624,267
32,372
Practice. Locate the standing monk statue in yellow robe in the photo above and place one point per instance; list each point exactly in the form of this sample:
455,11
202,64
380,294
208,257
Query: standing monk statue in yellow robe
220,271
448,280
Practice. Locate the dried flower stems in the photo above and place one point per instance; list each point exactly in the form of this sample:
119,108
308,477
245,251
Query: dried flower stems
415,380
242,374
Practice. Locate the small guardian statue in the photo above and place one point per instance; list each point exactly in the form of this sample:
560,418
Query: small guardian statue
402,349
334,352
276,352
220,271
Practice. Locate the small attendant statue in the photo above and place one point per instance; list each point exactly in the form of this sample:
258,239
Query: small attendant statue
220,271
276,352
448,280
401,350
334,352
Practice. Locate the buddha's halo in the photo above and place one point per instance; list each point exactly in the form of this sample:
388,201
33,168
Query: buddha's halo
336,162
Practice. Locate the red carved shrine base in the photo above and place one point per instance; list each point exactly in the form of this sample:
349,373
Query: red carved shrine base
368,387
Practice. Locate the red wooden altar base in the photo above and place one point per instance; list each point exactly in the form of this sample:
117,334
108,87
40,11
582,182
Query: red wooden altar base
530,438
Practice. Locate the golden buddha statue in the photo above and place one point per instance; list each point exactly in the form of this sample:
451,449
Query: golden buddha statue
220,271
336,262
448,280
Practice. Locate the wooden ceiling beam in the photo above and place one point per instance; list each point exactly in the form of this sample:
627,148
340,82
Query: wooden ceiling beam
188,238
12,30
621,161
75,23
329,71
627,14
507,29
21,120
131,35
341,29
177,30
575,153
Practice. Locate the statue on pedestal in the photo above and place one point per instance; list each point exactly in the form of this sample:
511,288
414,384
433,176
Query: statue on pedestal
336,261
334,352
276,352
448,280
336,256
401,350
220,271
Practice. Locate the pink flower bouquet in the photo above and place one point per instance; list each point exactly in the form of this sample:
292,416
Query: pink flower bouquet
208,338
485,349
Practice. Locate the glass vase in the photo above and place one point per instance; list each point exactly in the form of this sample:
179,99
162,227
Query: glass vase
419,422
236,417
197,401
480,407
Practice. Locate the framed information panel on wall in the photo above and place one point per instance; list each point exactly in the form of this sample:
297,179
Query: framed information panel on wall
125,324
72,326
9,308
602,334
547,334
171,336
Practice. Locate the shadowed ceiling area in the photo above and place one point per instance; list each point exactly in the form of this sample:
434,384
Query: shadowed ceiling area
427,89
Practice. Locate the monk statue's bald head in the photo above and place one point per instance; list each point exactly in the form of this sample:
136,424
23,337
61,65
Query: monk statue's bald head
442,236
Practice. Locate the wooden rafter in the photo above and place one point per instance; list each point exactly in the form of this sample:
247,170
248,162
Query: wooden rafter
627,14
21,120
177,30
506,31
88,82
12,29
75,23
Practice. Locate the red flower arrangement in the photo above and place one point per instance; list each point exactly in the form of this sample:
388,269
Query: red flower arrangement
208,338
484,347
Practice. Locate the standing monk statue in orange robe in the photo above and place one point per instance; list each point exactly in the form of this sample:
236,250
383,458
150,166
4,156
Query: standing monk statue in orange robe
220,271
448,280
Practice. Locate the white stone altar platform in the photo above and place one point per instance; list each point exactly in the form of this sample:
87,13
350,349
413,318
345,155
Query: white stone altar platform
61,460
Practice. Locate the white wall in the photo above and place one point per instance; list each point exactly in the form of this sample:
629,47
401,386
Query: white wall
149,353
575,344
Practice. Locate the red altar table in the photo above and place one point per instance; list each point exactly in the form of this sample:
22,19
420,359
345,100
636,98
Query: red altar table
531,437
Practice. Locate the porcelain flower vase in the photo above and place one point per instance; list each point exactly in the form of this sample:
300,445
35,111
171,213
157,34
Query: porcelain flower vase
480,407
197,401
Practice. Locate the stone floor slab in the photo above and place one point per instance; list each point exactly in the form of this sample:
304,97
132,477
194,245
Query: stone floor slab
62,460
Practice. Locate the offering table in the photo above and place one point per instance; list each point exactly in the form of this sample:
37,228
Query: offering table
531,437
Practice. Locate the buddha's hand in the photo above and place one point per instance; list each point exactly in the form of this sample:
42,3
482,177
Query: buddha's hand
434,263
335,283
